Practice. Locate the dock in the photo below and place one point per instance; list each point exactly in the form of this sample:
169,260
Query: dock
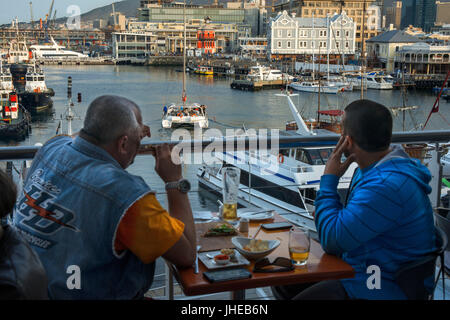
248,85
75,61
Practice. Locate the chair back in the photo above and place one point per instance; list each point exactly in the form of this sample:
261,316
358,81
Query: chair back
417,278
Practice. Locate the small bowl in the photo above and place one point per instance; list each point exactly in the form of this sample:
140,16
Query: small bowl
221,261
241,242
230,252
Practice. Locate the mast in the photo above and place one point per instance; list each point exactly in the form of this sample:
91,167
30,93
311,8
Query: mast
318,96
328,48
313,45
363,56
183,97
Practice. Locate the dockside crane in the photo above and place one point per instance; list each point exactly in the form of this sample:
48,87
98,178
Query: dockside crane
47,16
31,15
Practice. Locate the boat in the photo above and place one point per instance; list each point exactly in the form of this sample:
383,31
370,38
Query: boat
184,114
6,83
204,70
372,81
54,51
15,121
263,73
18,52
290,188
32,91
314,87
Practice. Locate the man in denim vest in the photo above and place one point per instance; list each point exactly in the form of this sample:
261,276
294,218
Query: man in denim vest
96,228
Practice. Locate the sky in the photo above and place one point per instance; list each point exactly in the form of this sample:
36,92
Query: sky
9,9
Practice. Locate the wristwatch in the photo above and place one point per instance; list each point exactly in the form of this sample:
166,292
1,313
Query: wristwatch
182,185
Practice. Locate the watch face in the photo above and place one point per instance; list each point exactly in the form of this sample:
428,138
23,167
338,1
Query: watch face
184,185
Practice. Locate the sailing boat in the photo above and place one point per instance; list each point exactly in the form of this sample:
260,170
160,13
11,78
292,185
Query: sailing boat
184,114
314,86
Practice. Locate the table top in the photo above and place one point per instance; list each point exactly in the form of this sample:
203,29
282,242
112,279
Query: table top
320,266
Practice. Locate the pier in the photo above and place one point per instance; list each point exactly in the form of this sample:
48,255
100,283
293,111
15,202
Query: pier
75,61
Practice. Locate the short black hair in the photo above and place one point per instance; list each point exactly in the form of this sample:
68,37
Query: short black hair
369,124
8,194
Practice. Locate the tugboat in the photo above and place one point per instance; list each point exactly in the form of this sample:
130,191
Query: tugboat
28,79
36,97
14,119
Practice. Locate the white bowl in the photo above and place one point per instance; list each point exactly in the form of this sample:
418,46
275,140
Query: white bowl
221,262
241,242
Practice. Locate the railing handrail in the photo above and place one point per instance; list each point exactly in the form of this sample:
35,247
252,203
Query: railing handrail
246,143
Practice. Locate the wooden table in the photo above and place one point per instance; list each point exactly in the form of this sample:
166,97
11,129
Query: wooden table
320,266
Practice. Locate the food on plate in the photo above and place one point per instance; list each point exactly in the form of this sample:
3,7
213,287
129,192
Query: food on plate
221,259
257,245
228,252
221,229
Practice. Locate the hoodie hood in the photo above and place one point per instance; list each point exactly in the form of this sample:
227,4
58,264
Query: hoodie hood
398,161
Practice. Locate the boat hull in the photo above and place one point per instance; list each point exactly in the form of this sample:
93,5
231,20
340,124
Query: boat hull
35,102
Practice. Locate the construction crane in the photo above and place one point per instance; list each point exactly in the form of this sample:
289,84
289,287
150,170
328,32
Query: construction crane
47,16
31,15
54,20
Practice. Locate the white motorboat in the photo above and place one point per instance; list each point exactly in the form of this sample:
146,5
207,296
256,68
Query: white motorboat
371,81
185,115
285,180
314,86
262,73
54,51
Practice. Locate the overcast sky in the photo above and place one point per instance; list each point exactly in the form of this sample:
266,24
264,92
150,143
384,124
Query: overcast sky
9,9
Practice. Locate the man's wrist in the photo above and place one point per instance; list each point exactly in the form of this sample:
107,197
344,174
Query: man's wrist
169,180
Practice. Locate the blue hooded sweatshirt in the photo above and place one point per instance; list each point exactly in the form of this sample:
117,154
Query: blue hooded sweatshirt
387,221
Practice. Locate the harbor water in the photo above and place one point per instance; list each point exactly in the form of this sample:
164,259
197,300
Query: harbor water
153,87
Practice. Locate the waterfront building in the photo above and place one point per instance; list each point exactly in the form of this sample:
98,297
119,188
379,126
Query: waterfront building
382,49
353,8
292,36
206,40
424,58
250,16
253,46
147,39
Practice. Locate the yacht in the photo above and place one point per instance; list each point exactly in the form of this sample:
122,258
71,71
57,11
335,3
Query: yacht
313,86
286,180
262,73
54,51
372,81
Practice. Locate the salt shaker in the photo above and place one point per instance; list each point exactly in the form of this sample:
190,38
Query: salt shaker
243,226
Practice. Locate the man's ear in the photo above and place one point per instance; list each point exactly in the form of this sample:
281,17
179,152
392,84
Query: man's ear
122,144
350,143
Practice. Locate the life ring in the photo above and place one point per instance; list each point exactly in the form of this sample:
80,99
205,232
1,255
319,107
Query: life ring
280,158
179,114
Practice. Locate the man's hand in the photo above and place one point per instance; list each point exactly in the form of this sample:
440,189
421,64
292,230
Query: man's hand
334,165
166,169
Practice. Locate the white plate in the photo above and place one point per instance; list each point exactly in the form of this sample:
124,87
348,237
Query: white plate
250,214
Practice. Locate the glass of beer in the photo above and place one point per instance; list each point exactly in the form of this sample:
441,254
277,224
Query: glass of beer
230,177
299,245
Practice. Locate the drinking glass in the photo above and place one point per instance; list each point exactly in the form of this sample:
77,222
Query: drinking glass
299,245
230,177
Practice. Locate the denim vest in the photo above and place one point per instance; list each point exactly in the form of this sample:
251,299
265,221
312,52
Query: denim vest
74,198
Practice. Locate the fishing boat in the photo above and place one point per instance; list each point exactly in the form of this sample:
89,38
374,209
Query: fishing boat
204,71
184,114
14,119
290,188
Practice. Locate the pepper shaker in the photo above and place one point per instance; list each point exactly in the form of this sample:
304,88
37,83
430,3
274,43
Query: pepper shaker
243,226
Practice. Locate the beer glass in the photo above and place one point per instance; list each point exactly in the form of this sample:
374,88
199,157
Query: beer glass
299,245
230,178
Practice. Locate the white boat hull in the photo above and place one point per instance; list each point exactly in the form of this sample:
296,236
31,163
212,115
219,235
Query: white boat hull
315,89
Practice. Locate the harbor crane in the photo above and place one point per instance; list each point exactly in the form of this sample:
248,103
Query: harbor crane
31,15
46,22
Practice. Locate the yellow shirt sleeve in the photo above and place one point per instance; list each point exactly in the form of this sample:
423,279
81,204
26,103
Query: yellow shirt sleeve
148,230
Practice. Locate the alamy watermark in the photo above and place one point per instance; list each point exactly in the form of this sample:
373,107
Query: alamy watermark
74,17
213,147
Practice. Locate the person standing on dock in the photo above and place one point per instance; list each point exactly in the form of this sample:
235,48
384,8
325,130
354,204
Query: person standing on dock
97,228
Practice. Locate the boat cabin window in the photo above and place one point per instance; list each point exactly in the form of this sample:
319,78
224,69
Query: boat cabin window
313,156
29,78
40,78
301,155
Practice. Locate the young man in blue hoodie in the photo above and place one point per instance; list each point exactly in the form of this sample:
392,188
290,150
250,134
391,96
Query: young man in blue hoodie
386,220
